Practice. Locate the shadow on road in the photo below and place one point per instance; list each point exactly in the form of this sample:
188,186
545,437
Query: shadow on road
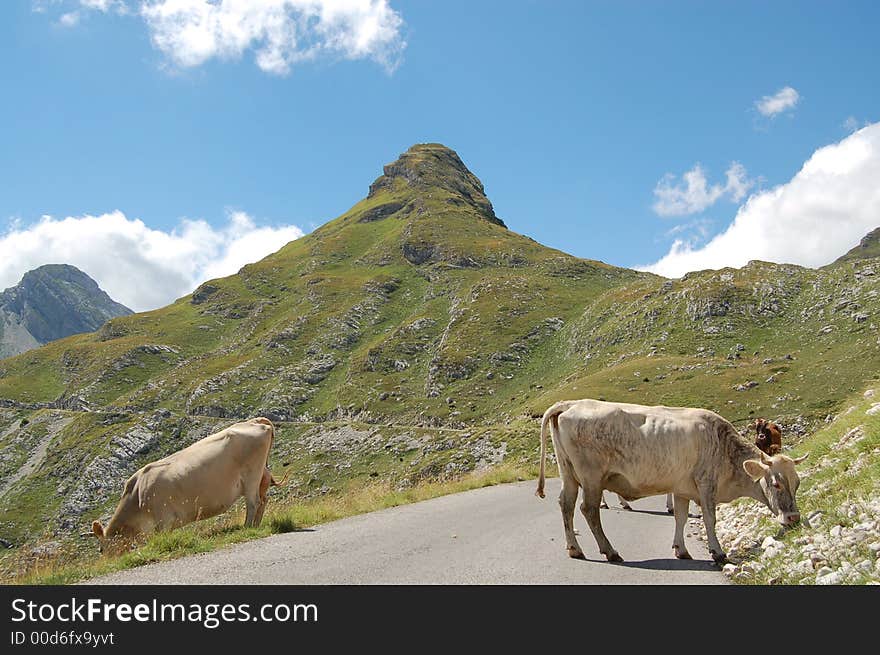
664,564
653,512
673,564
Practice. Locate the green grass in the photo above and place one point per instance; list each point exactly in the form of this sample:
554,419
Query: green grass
838,476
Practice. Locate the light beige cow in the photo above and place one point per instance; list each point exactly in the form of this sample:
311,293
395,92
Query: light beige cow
198,482
637,451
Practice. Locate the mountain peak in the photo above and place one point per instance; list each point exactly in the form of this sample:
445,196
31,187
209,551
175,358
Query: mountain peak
51,302
428,166
867,248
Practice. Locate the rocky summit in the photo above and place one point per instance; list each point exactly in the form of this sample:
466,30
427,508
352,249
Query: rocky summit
867,248
52,302
412,338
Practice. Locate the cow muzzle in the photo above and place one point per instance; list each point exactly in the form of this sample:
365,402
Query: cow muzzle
790,518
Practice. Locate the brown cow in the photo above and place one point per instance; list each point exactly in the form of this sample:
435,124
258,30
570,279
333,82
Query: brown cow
768,436
198,482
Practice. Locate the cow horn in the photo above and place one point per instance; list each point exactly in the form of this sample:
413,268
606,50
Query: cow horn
798,460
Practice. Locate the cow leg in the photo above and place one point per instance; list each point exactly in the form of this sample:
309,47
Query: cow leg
625,505
251,504
263,499
707,502
681,517
567,501
590,509
265,482
670,506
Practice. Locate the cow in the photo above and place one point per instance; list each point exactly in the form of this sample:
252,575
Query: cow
195,483
638,450
768,436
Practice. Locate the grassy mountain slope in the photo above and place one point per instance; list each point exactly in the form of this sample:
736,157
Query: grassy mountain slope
416,337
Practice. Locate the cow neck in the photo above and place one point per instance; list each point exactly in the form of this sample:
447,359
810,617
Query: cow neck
745,451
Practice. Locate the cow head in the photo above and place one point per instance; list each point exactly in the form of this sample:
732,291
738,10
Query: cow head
110,540
779,481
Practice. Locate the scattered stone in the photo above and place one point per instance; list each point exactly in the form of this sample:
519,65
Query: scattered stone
804,567
834,577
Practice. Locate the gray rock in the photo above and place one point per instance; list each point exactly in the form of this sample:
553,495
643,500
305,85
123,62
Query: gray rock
832,578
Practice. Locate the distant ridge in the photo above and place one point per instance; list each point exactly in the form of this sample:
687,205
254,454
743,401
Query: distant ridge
52,302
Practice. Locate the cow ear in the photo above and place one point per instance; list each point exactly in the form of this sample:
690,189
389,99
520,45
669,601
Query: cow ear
755,469
98,529
798,460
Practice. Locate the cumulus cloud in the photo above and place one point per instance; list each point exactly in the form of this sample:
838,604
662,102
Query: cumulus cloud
692,194
783,100
823,211
280,33
140,267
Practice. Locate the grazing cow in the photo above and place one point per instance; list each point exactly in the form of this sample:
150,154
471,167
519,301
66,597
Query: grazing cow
768,436
198,482
637,451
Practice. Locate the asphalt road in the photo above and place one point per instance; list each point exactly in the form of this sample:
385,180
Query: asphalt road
496,535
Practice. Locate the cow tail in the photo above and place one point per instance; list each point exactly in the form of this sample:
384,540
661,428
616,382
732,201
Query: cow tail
549,423
545,421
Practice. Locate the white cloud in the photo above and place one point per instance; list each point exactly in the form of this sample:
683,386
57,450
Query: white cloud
784,99
100,5
70,19
823,211
138,266
693,194
77,8
281,33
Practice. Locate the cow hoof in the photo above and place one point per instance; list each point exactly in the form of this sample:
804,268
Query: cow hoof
670,510
614,557
603,505
720,558
681,553
576,553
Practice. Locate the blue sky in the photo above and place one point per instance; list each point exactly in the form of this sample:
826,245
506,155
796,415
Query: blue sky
571,113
